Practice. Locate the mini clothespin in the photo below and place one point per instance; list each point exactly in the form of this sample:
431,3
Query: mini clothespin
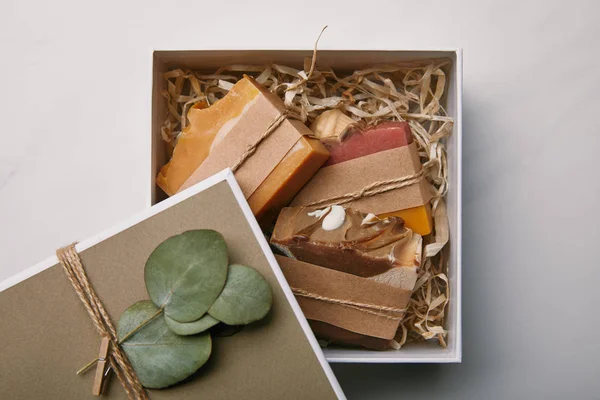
101,370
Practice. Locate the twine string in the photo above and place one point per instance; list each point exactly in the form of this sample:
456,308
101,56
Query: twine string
373,309
252,148
375,188
119,363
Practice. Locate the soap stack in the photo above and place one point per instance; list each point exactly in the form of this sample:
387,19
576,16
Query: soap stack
219,136
344,203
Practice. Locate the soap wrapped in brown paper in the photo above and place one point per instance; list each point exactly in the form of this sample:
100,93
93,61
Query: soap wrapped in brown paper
245,134
350,302
343,183
248,131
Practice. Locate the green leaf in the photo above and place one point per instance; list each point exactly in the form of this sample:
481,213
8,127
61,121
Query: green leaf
160,357
185,273
191,328
245,298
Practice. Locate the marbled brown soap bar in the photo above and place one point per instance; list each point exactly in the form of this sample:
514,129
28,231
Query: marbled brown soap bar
380,249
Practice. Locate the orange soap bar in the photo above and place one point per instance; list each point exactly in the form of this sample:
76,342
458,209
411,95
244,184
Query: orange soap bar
416,218
293,171
211,135
206,129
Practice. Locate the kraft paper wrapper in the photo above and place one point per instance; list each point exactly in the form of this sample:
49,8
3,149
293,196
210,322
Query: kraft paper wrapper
353,175
246,131
339,285
46,335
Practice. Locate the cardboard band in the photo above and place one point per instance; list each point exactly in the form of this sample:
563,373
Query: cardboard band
373,189
356,304
254,145
378,183
73,267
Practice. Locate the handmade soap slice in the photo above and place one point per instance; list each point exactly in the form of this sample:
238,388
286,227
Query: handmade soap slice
358,143
207,127
359,305
218,136
364,245
385,136
418,218
297,167
383,152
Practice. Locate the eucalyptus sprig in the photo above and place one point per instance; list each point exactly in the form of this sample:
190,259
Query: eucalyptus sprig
192,288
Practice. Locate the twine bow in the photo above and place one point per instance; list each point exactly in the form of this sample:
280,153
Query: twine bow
73,267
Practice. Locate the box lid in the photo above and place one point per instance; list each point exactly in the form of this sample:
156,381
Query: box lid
47,335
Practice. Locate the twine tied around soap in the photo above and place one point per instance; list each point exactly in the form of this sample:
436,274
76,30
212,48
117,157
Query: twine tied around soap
117,359
373,309
376,188
251,149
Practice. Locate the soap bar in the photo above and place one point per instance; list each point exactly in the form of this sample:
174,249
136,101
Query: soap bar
418,219
359,143
293,171
380,249
220,135
356,298
207,127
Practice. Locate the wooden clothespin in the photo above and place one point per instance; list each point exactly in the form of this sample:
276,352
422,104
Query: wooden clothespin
101,371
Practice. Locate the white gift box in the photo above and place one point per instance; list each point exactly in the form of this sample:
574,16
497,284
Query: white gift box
347,60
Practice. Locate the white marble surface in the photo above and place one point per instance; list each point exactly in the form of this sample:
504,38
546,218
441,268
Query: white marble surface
75,116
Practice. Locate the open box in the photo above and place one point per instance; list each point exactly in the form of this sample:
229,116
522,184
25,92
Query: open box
348,60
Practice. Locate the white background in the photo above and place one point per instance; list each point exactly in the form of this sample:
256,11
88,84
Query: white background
74,130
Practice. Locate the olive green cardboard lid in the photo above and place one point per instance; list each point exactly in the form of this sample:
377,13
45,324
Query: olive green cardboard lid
46,334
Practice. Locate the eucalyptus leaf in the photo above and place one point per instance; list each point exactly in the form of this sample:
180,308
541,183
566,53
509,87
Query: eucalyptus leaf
160,357
245,298
185,273
191,328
